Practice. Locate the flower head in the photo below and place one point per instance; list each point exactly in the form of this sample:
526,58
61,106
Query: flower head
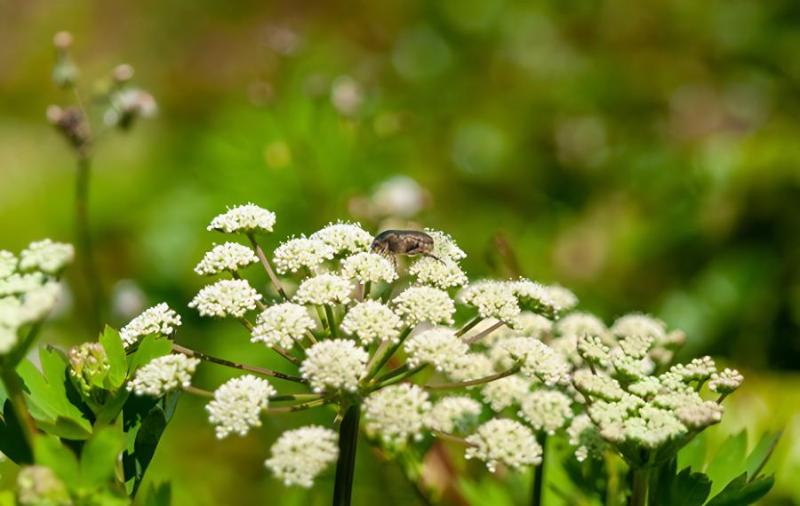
493,299
725,382
324,289
468,367
538,297
238,404
639,325
444,246
580,324
503,441
163,374
441,273
344,237
439,347
159,319
505,392
453,414
282,325
367,267
228,297
336,364
300,252
537,360
546,410
372,321
397,413
46,256
247,218
300,455
230,257
425,304
8,263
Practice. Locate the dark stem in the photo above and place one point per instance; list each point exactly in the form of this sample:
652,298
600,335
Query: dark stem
84,242
267,267
479,381
538,477
345,465
639,487
236,365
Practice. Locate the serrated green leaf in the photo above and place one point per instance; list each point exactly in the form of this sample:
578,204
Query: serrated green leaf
149,348
688,489
761,454
99,456
117,360
144,420
112,408
741,493
728,462
50,452
693,454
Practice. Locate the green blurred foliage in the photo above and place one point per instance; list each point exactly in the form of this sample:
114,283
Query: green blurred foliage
643,154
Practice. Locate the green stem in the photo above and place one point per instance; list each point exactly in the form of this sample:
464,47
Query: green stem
480,335
345,465
236,365
375,367
639,487
538,477
16,396
267,267
479,381
331,319
466,328
395,376
84,242
367,288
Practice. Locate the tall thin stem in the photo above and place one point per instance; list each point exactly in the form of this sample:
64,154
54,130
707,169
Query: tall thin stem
480,335
345,465
13,386
384,353
479,381
639,487
236,365
538,477
331,319
84,242
267,267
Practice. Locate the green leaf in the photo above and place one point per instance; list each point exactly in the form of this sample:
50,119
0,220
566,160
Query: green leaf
12,440
99,456
144,420
728,462
741,493
7,498
117,359
761,453
693,455
48,451
159,495
112,408
149,348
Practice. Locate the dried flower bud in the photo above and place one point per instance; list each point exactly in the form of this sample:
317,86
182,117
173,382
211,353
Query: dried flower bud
122,73
62,40
72,124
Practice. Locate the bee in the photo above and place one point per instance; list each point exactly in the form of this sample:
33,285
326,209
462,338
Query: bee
403,242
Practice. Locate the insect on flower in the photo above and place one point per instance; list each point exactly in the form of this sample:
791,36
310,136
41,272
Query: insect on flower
403,242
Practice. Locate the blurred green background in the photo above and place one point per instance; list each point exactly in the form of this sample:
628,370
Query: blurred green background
644,154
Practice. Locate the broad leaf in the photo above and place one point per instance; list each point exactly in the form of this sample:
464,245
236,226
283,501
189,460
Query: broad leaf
159,495
99,456
741,493
728,462
149,348
693,454
144,420
50,452
117,361
12,440
760,454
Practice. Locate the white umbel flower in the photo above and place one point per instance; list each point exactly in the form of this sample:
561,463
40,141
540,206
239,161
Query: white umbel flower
163,374
553,299
442,273
439,347
228,297
17,284
8,338
561,299
596,385
227,257
38,302
537,360
282,325
444,246
503,441
580,324
247,218
468,367
344,237
159,319
324,289
505,392
583,435
546,410
336,364
425,304
46,256
238,404
300,252
453,414
397,413
300,455
372,321
591,349
367,267
8,263
725,382
492,299
636,324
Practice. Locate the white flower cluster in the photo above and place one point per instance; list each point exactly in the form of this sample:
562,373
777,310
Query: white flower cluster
444,247
227,297
300,455
226,257
537,360
419,304
505,392
442,273
159,319
453,414
282,325
503,441
344,237
493,299
324,289
726,382
397,413
439,347
336,364
546,410
247,218
301,252
368,268
163,375
238,404
372,321
551,299
8,263
46,256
